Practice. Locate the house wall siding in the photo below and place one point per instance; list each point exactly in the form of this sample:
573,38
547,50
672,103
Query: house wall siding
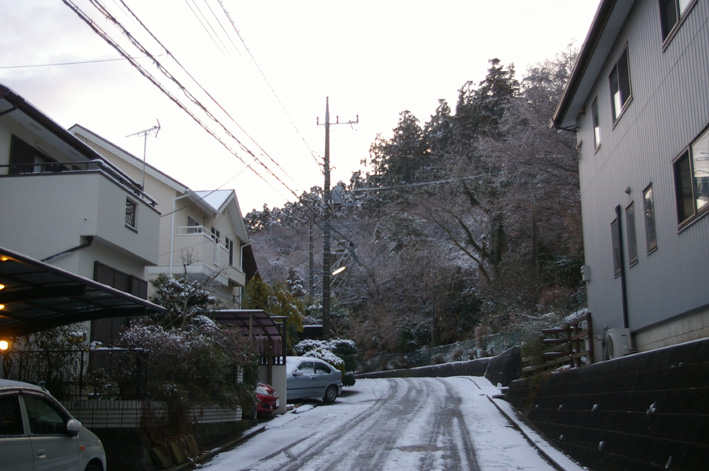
669,109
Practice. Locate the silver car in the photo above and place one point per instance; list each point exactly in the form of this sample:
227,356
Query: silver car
308,377
38,433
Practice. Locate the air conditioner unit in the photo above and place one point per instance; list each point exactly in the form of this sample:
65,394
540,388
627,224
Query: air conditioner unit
618,343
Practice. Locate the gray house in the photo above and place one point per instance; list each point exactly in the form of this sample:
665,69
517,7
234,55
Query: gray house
638,99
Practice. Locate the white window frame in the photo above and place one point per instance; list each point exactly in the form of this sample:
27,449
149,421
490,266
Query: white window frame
679,9
691,177
131,214
595,119
620,86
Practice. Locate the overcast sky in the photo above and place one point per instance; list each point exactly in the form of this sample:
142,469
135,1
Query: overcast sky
263,69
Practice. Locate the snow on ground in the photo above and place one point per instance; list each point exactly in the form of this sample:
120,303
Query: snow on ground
395,424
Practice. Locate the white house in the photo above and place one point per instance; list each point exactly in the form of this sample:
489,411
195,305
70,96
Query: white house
62,204
202,233
638,99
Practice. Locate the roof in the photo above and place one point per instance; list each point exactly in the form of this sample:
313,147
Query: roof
610,18
37,296
212,202
8,384
215,198
27,115
254,323
86,134
218,202
24,112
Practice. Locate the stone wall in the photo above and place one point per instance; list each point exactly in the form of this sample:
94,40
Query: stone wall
647,411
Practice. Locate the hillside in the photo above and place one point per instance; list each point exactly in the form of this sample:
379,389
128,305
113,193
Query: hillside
467,222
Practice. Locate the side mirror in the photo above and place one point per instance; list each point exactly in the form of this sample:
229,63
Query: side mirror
297,373
73,427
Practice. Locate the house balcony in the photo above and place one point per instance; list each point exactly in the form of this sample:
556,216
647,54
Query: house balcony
45,212
197,252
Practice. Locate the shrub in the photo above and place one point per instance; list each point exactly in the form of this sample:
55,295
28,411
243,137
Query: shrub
195,365
340,353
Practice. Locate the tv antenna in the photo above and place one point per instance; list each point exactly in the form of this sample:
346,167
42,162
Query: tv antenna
145,133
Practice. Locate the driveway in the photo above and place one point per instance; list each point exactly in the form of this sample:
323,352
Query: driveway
393,424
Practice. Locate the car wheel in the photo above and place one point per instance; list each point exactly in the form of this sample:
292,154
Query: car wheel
330,394
93,467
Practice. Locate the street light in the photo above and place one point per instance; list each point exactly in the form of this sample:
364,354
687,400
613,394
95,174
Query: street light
4,345
339,270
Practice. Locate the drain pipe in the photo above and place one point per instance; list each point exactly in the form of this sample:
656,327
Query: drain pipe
89,241
623,288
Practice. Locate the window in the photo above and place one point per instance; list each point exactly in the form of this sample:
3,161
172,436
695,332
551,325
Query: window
691,172
44,418
620,85
649,213
671,12
229,244
26,159
193,227
120,280
216,235
632,241
131,209
11,423
615,234
596,124
307,367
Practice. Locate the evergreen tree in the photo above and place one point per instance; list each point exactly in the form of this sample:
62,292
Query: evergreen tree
256,294
399,159
184,299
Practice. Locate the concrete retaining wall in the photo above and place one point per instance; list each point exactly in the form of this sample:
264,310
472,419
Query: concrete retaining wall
501,369
647,411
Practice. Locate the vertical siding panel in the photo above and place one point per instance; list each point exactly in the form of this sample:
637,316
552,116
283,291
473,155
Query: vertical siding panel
670,107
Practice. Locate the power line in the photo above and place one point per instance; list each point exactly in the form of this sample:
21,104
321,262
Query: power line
162,88
278,99
172,56
429,183
56,64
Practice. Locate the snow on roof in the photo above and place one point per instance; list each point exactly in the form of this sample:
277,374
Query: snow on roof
215,198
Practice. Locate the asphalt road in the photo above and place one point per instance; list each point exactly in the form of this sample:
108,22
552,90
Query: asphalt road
398,424
410,424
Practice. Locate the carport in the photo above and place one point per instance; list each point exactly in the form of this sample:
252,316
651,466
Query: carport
269,333
35,296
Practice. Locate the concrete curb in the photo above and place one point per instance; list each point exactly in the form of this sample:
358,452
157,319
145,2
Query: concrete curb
516,426
206,456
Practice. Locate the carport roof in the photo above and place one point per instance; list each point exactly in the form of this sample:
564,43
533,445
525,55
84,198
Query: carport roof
257,324
37,296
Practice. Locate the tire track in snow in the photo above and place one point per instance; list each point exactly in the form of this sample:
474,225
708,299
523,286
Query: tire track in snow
417,424
372,435
316,444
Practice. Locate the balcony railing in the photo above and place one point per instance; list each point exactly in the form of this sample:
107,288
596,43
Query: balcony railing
15,169
206,248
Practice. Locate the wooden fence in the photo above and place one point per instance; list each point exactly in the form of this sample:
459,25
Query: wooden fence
568,346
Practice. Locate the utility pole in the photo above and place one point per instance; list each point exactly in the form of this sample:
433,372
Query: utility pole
145,133
327,205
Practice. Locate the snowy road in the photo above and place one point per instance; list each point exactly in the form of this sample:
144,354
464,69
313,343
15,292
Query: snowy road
393,424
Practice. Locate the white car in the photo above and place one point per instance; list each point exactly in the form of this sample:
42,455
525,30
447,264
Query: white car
38,433
308,377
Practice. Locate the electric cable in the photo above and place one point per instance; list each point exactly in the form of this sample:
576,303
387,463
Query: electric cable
189,95
171,96
172,56
278,99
